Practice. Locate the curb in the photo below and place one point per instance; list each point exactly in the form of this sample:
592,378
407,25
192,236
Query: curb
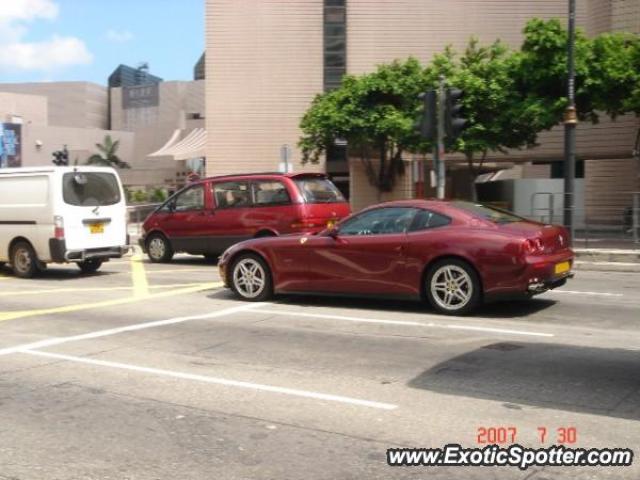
583,265
608,256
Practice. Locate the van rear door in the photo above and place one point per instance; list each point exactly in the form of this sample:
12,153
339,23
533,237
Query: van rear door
93,210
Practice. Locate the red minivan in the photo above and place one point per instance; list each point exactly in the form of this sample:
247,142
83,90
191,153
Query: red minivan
210,215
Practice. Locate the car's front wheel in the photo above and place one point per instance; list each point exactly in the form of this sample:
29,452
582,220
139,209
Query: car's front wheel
158,248
453,287
251,278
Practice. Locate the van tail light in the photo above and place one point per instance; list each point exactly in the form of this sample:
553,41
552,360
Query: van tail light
308,223
58,224
533,246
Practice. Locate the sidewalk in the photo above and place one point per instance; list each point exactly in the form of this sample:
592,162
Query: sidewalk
608,259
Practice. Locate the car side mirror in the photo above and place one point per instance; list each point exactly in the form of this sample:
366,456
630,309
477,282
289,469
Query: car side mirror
333,232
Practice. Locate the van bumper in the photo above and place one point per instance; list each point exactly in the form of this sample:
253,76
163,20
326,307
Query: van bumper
60,254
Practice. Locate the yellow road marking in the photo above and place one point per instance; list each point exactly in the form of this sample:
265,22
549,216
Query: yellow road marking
107,303
180,270
139,277
91,289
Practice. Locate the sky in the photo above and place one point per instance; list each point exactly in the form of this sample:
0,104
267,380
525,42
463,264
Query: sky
62,40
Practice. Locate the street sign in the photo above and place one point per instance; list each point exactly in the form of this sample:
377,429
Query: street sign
285,165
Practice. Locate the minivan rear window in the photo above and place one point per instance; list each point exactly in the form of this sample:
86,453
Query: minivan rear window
90,189
319,190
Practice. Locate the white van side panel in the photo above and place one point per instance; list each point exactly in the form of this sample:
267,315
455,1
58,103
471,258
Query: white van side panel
26,211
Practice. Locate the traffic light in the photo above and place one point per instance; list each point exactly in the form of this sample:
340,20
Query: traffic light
427,123
454,123
61,157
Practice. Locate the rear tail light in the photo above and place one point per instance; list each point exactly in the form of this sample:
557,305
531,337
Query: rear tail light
58,227
533,246
308,223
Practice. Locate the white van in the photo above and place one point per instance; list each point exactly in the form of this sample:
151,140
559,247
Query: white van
59,215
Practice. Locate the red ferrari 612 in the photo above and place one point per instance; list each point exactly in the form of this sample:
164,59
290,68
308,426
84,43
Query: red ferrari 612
453,254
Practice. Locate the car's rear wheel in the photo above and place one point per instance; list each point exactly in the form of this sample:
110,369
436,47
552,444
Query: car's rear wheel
158,248
453,287
24,260
90,266
251,278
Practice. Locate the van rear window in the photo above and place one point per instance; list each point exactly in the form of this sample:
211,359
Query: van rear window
319,190
90,189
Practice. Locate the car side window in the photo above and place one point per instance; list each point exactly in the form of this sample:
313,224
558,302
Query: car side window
426,219
270,192
380,221
232,194
191,199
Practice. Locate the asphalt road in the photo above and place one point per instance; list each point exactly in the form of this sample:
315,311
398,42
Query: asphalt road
154,372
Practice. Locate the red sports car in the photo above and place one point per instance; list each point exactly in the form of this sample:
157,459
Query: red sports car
454,254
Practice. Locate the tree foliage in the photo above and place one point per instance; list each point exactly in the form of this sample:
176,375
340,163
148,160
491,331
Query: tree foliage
108,154
509,97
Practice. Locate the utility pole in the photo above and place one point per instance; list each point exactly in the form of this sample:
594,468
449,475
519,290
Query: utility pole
570,121
438,154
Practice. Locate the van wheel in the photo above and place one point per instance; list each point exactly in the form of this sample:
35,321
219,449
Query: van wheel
24,260
89,266
209,258
453,287
159,249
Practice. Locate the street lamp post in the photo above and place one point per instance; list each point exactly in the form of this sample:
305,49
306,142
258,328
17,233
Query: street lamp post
570,121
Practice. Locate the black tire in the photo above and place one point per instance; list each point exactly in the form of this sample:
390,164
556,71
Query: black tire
264,233
159,249
90,266
452,287
211,258
251,261
24,260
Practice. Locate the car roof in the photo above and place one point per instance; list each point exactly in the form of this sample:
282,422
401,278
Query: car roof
238,176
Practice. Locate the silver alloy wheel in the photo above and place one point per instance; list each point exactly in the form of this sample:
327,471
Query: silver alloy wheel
157,248
22,259
451,287
249,278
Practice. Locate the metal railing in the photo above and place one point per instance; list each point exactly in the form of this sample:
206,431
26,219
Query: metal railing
612,223
136,215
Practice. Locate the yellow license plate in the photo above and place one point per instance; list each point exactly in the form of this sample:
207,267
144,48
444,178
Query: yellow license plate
96,228
331,223
562,267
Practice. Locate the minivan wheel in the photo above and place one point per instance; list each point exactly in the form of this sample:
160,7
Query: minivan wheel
158,248
24,260
251,278
90,266
452,287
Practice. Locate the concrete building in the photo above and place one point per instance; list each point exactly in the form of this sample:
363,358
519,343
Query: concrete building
55,115
267,59
43,117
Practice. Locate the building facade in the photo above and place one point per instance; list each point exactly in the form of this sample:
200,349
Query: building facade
267,59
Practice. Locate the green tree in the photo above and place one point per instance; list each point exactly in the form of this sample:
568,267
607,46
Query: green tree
375,113
498,118
108,156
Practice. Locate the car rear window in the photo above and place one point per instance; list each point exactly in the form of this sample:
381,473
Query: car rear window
492,214
90,189
319,190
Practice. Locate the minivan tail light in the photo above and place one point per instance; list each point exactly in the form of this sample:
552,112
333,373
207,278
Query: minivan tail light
58,224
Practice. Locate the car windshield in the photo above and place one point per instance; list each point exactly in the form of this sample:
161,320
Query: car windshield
90,189
492,214
319,190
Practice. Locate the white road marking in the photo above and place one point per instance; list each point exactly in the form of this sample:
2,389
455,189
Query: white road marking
575,292
129,328
217,380
404,322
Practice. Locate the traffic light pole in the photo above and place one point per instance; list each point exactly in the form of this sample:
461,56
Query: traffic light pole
438,154
570,121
